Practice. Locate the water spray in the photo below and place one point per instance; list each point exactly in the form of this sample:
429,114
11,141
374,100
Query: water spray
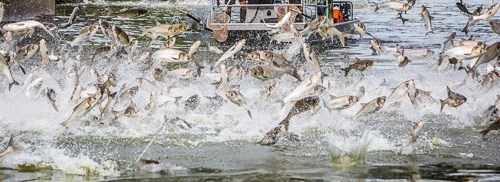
151,142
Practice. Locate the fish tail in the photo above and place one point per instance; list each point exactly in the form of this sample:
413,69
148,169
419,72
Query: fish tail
404,20
177,100
324,105
369,35
377,7
55,107
14,82
466,29
472,71
110,12
52,35
484,132
346,70
323,75
282,104
464,68
198,70
342,39
357,115
442,104
428,32
296,75
65,124
269,139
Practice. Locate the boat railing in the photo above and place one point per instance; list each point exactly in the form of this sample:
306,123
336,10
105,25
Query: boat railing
311,8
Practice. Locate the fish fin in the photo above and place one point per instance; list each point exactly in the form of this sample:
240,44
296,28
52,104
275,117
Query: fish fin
484,132
362,104
404,20
64,124
442,104
13,83
144,31
11,141
157,23
249,114
361,91
323,75
448,91
377,6
22,69
285,123
18,149
332,97
346,34
346,71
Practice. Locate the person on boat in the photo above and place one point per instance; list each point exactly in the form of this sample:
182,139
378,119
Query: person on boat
321,8
243,9
336,13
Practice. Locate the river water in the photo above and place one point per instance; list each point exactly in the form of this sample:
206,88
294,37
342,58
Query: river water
221,144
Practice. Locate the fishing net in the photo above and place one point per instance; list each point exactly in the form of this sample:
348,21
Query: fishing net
218,23
281,11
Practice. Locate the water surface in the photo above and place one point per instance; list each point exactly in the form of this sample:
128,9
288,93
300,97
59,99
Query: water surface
221,143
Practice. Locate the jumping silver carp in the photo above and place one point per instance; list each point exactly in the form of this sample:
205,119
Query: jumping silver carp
454,99
264,73
230,52
85,34
371,107
25,26
301,106
238,99
360,65
343,102
426,16
131,13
